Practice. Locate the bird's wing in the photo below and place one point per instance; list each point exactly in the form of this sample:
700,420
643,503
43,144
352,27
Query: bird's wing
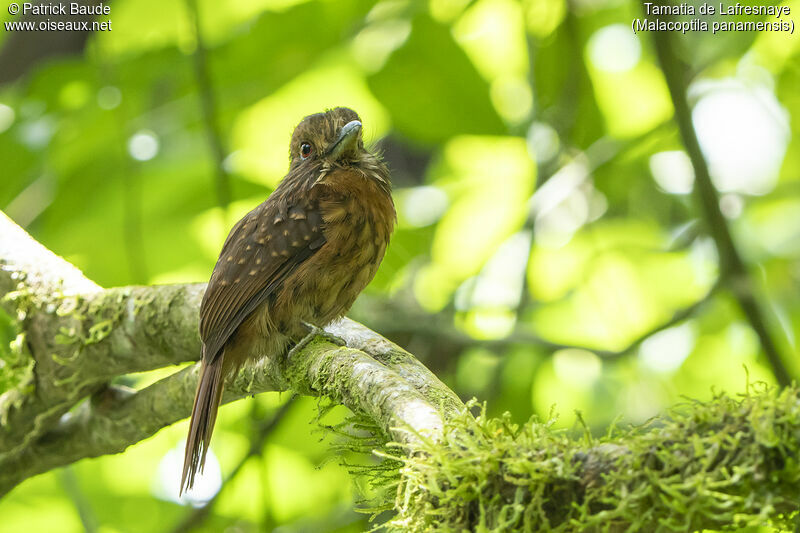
261,251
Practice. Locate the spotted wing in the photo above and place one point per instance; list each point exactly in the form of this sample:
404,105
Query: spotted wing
261,251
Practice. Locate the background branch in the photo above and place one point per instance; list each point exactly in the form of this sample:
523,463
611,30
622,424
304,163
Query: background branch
208,106
732,268
263,431
401,321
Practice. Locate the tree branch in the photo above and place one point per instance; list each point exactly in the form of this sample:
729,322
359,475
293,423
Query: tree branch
399,321
24,259
81,336
719,464
732,268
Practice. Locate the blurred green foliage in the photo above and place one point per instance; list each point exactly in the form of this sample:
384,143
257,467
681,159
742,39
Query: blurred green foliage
543,197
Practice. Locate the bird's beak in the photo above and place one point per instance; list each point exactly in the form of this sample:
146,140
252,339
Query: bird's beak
347,142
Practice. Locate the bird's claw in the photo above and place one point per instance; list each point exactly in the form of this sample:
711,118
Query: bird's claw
314,332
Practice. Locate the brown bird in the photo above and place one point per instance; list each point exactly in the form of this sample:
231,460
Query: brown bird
300,258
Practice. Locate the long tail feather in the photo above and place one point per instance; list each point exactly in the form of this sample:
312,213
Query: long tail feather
204,414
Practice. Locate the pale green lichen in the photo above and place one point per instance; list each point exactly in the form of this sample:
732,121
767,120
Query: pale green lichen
93,321
727,463
156,313
16,362
145,303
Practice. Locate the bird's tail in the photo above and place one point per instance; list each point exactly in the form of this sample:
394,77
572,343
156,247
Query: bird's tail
204,414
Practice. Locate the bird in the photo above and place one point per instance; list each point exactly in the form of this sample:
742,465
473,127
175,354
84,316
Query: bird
294,263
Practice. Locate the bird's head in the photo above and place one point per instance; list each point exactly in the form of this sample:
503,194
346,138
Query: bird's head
333,136
331,139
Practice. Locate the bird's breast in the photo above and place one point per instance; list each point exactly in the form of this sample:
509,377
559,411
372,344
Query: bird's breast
358,218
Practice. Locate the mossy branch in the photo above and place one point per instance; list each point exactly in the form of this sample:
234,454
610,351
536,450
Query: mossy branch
729,462
80,336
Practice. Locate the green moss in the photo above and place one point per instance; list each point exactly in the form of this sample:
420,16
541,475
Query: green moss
360,445
327,377
727,463
396,356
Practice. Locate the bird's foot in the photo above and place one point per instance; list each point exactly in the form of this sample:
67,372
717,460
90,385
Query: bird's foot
313,333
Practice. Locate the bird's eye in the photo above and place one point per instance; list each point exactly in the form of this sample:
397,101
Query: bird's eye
305,150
